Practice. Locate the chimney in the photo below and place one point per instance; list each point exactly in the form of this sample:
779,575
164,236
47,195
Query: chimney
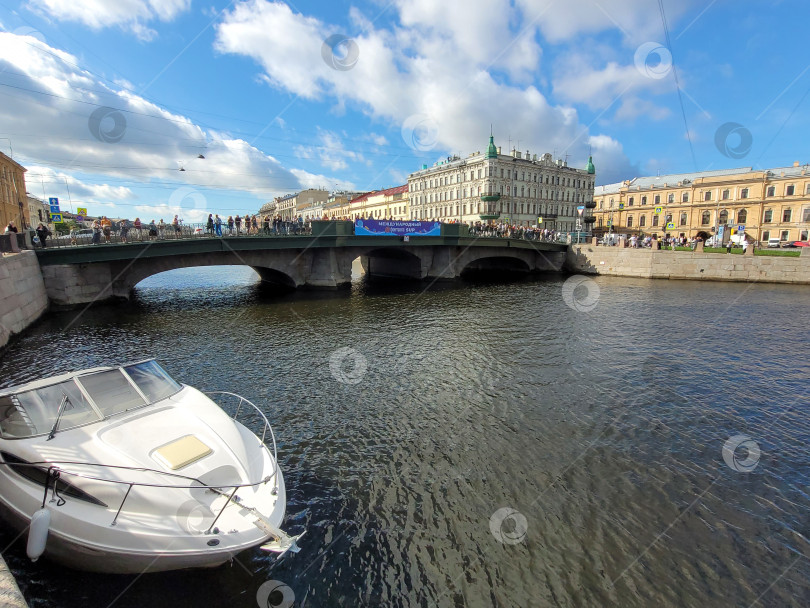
499,149
795,163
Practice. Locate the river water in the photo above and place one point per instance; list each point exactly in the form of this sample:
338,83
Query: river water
617,443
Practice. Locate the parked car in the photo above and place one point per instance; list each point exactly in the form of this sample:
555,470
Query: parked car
801,243
789,244
774,242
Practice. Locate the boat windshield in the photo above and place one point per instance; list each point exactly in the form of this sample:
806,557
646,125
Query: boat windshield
110,392
35,412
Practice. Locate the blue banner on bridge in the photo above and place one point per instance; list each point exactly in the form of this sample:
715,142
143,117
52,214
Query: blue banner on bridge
396,228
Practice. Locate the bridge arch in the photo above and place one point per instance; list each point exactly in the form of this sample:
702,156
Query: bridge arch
496,265
274,275
391,262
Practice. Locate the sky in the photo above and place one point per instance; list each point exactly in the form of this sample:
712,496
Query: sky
105,102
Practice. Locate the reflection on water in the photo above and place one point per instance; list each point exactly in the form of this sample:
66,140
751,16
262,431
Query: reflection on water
409,419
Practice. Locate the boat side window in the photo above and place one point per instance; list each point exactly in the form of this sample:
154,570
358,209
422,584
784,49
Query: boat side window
39,408
153,381
13,421
111,391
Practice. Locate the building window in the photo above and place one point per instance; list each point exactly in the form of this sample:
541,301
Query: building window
630,202
742,215
601,204
784,236
725,195
671,198
707,196
803,235
642,221
786,213
683,219
685,197
657,199
768,216
655,220
705,218
806,214
723,217
770,192
766,235
629,221
789,190
643,200
744,193
669,218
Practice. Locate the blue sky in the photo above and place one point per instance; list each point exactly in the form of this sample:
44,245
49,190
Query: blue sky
111,99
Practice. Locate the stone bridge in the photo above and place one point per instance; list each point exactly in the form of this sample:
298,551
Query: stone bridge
87,274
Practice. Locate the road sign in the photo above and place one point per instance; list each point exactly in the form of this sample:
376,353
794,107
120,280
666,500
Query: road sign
81,210
580,209
740,228
621,205
658,210
610,222
56,218
79,219
53,201
671,226
539,220
54,208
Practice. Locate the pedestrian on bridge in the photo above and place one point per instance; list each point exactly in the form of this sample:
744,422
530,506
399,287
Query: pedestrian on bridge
43,233
238,221
209,226
218,224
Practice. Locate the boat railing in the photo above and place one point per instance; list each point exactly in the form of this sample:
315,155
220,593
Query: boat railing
267,426
55,469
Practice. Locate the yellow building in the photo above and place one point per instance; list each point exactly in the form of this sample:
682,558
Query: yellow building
389,204
13,197
766,204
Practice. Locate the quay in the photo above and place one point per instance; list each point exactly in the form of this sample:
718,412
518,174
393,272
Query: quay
10,595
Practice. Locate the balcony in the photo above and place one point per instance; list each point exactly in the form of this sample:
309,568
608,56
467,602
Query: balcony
490,198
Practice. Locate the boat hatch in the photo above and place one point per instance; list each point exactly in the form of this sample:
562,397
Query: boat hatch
83,399
181,452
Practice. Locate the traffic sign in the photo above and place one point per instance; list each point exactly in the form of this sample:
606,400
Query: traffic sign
56,218
671,226
580,209
53,201
539,220
79,219
740,228
658,210
81,210
54,208
610,222
621,205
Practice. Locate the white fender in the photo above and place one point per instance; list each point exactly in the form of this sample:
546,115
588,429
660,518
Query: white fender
38,534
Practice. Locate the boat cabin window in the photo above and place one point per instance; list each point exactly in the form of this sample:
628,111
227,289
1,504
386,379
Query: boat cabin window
35,412
155,383
112,392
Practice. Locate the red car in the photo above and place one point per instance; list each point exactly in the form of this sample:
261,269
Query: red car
801,243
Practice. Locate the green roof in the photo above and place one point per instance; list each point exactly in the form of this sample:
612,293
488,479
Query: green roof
591,169
492,151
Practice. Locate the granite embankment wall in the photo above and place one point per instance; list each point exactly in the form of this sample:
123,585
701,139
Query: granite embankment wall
668,264
22,293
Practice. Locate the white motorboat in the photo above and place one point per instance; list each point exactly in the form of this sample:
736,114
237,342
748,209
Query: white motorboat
122,469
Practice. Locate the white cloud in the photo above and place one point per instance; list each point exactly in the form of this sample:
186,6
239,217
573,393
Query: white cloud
443,63
79,191
127,14
63,117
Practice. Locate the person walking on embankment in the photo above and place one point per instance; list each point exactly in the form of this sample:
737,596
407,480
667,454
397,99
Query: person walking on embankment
43,233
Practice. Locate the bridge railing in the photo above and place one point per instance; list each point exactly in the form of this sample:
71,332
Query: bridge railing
165,232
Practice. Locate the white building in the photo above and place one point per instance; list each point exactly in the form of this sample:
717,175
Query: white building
510,188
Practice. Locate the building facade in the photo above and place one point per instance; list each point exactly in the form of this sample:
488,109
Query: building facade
13,196
512,188
388,204
763,204
38,211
